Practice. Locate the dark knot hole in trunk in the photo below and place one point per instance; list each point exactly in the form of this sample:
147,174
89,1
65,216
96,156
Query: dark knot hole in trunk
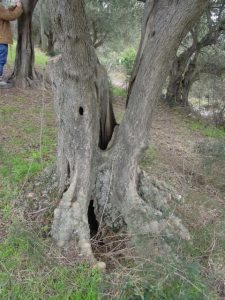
93,223
81,110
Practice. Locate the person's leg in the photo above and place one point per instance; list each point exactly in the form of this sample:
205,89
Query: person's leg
3,60
3,57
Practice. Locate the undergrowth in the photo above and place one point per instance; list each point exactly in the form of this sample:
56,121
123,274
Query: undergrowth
212,153
206,129
160,279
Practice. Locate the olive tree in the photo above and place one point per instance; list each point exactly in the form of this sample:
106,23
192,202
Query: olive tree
97,158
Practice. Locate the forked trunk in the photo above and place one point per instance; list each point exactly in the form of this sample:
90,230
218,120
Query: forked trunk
98,160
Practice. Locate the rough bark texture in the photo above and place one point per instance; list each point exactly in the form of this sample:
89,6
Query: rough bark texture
24,73
87,126
85,121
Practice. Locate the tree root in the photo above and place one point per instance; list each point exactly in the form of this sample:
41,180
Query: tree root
71,222
146,213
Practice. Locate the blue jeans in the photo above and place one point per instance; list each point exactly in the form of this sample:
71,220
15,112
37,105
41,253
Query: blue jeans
3,57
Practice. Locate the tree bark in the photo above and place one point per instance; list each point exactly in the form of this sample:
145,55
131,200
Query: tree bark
51,42
24,73
175,78
85,121
189,77
86,124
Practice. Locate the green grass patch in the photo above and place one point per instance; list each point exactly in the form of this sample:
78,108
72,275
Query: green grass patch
205,129
119,92
27,163
40,57
149,157
27,272
16,169
8,110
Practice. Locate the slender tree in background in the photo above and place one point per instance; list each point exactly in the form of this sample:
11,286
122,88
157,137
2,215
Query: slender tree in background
24,73
97,159
42,23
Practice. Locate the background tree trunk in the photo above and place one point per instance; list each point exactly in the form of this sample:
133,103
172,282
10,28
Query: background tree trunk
175,78
86,123
189,77
177,86
24,73
51,42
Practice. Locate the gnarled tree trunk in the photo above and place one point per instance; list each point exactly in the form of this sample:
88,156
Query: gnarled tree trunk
98,160
24,73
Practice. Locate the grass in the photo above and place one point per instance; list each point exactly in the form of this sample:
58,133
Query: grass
149,157
205,129
119,92
25,149
27,271
15,168
40,57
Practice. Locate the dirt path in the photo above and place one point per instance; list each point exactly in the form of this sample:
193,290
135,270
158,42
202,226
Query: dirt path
178,161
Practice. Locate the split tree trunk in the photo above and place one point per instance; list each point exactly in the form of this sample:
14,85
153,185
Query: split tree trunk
86,124
24,73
